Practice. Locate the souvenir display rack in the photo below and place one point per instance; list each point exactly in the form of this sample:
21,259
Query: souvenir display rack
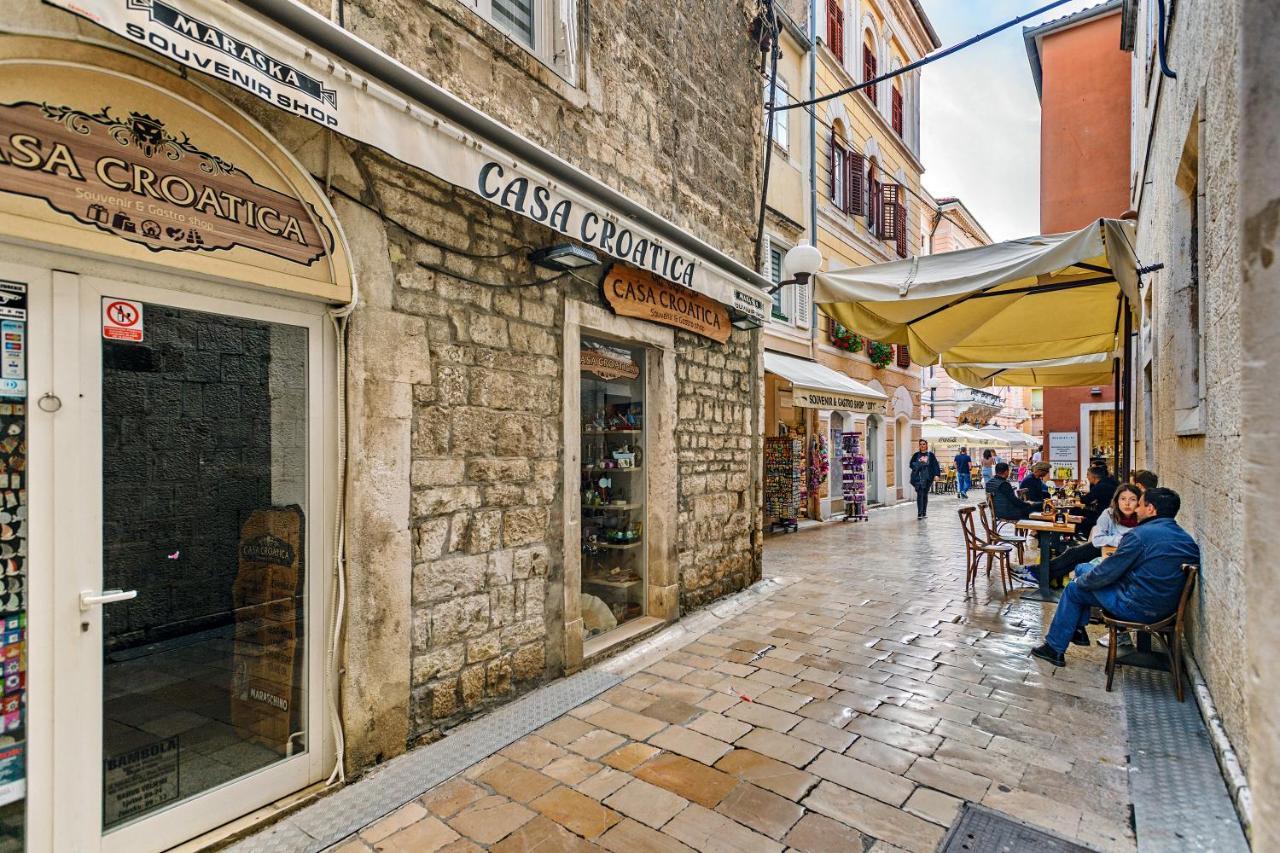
854,477
783,475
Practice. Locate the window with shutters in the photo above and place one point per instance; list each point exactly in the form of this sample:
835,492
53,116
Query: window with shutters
869,70
856,181
903,356
839,173
887,225
546,28
897,111
900,234
835,29
781,310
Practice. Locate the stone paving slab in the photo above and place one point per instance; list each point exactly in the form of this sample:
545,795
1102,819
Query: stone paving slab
869,699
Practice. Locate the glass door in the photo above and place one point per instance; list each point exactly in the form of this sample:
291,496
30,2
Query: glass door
197,586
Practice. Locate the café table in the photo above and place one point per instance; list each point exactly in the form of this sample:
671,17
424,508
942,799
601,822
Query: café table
1050,533
1048,516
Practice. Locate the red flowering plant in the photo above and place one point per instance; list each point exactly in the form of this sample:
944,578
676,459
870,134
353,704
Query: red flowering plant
879,353
843,338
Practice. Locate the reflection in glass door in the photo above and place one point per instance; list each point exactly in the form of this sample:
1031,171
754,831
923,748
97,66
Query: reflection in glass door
204,514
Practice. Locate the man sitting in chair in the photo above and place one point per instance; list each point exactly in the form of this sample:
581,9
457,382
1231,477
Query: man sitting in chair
1005,503
1140,582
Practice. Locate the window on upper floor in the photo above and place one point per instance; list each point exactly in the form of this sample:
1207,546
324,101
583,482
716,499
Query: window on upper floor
1185,299
847,184
781,298
546,28
869,70
781,118
897,111
835,29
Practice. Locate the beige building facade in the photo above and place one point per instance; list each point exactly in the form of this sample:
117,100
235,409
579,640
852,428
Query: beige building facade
853,179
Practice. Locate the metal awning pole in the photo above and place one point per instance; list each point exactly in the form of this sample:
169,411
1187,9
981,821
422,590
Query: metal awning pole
1128,391
1115,421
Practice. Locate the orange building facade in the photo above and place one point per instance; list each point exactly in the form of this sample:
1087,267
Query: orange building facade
1083,80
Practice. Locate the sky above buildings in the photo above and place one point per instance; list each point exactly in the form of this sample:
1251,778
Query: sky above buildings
980,118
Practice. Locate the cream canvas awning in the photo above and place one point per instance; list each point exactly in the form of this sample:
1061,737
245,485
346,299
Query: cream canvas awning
1013,437
818,387
936,432
1092,369
1053,296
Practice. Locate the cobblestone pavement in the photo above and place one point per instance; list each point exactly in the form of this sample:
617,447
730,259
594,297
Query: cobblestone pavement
854,709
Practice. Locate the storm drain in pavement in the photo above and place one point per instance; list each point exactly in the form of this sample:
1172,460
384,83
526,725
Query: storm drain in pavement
982,830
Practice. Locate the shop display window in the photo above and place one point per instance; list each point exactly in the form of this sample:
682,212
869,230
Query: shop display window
613,489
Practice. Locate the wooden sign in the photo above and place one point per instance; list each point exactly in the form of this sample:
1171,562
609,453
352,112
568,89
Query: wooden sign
133,177
268,596
632,292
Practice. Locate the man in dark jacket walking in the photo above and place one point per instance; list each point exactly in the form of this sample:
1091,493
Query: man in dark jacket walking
1142,581
1006,503
924,470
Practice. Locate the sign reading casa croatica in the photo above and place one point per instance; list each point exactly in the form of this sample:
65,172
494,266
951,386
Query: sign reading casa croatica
131,176
638,293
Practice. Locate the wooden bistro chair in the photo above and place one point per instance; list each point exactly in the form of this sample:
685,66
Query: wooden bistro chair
990,526
1170,630
975,548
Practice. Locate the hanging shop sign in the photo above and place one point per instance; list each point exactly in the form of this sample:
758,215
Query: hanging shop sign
235,45
113,154
812,398
632,292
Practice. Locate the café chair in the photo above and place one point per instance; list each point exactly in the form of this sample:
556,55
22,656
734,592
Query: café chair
994,536
975,549
1170,630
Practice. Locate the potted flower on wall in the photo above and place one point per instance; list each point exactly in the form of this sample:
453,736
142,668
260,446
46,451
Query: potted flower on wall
879,353
844,338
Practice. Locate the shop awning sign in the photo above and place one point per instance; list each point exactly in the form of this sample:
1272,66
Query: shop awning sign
239,47
817,398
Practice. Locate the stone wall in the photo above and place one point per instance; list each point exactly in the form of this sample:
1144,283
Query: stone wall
1205,468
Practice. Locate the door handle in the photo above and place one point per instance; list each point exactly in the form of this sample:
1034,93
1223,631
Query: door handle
108,596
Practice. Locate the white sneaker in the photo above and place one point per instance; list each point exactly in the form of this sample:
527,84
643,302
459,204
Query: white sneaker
1125,640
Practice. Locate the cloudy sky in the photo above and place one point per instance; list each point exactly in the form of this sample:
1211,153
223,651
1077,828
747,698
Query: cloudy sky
980,117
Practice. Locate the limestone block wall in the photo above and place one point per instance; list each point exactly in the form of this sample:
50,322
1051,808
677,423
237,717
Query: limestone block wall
1207,469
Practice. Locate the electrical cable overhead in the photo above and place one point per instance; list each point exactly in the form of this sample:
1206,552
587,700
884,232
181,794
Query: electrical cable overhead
920,63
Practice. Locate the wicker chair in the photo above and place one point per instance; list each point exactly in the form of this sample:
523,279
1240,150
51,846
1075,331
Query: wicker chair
975,548
1170,630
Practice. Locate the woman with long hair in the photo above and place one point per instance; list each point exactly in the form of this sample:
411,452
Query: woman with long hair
1114,522
988,465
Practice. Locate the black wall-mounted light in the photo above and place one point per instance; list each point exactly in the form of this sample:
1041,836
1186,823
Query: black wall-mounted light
563,258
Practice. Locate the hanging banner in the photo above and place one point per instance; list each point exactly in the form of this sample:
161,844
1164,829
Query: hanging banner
245,50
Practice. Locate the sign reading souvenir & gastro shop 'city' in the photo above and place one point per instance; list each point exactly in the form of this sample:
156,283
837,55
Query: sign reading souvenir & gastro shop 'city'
632,292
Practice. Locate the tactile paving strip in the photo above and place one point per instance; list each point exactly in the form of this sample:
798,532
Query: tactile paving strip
981,830
410,775
1180,801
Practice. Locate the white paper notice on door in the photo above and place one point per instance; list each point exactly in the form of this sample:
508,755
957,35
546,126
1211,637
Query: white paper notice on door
121,320
139,780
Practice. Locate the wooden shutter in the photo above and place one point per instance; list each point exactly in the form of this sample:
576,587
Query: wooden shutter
835,29
838,186
873,202
897,111
901,233
801,316
903,356
856,183
869,70
888,226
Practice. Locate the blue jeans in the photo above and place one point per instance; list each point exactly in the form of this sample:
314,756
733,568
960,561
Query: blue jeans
963,482
1073,613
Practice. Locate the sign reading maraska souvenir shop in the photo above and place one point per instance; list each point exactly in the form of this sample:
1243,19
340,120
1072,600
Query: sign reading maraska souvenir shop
637,293
130,175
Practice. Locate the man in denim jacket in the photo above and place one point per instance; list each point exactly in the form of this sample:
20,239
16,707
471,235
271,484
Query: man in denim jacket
1142,581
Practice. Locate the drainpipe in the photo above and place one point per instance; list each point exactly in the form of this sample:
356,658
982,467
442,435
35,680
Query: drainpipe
813,163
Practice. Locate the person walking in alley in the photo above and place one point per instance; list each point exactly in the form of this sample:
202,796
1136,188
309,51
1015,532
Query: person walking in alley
988,465
964,473
924,470
1140,582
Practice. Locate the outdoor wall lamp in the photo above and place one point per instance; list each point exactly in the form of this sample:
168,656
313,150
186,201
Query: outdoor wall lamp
563,258
801,262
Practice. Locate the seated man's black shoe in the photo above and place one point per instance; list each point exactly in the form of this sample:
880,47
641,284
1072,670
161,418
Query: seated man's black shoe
1045,652
1081,638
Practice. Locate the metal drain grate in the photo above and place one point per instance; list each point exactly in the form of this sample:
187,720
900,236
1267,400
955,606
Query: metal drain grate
981,830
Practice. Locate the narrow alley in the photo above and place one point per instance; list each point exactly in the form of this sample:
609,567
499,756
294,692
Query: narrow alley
868,699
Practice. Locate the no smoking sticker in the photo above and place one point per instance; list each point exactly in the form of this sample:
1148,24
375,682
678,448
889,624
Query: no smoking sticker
121,319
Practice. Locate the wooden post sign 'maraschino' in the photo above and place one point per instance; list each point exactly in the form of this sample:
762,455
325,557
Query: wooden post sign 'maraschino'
633,292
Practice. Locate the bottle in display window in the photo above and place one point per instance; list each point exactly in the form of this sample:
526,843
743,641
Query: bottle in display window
613,485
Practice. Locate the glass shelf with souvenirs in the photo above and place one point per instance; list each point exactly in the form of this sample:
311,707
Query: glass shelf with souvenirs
613,488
